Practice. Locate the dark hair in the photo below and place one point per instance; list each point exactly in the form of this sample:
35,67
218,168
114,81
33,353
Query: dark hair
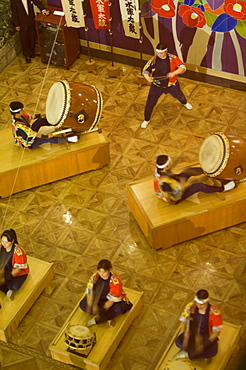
166,187
160,160
104,264
15,107
202,294
10,235
161,46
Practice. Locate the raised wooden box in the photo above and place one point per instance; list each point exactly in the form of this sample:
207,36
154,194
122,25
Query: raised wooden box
228,340
164,224
107,339
25,169
12,312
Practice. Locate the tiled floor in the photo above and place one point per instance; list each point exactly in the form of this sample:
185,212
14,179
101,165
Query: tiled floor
77,221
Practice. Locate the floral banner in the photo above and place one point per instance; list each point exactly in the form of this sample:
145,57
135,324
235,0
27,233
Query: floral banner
73,11
130,17
100,13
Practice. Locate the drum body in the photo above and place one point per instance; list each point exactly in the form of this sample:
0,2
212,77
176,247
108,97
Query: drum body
73,105
78,337
223,156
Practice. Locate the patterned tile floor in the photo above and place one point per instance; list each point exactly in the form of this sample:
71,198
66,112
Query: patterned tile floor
77,221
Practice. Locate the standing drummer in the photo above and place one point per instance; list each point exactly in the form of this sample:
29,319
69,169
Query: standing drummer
26,135
166,66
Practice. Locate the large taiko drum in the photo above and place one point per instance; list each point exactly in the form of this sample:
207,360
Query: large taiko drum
223,156
178,365
73,105
78,337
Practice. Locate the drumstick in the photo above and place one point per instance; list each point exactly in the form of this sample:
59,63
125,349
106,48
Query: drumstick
61,132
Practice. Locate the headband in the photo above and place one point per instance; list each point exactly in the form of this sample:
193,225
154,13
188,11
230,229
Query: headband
160,51
15,110
201,301
161,166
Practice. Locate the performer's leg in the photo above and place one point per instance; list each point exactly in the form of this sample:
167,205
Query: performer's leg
179,341
177,93
16,282
209,351
54,140
196,188
154,94
191,171
117,309
24,42
83,304
40,122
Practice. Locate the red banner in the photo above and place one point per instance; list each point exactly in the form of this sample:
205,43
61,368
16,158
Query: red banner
100,13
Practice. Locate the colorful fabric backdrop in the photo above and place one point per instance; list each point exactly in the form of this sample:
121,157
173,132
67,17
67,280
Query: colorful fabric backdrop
207,33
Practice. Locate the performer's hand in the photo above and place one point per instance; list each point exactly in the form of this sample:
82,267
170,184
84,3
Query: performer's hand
95,309
45,12
171,74
185,341
199,349
89,309
50,136
17,28
2,279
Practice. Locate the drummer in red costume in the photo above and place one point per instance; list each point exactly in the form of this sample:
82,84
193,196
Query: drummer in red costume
166,66
26,135
13,264
105,297
201,326
173,188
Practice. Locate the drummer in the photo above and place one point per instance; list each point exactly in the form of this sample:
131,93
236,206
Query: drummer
201,325
26,135
173,188
105,297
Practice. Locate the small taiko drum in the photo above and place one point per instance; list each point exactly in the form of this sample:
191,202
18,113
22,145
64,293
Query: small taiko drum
223,156
78,337
178,365
73,105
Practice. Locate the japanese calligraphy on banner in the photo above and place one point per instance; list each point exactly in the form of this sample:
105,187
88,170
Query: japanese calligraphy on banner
130,17
100,13
73,13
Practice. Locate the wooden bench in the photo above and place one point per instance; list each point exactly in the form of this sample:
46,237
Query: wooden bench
12,312
107,339
228,340
50,162
164,224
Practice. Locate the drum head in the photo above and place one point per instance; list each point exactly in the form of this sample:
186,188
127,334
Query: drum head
58,103
213,153
79,332
178,365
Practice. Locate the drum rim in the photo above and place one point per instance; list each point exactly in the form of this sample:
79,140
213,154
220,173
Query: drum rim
225,156
89,333
66,104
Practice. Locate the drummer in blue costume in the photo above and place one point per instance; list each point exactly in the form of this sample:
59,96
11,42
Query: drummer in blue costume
173,188
26,135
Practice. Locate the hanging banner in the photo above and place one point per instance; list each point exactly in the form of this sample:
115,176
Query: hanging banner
74,14
100,13
130,17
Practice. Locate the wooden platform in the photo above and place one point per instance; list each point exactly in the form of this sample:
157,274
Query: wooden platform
12,312
108,339
48,163
228,340
164,224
